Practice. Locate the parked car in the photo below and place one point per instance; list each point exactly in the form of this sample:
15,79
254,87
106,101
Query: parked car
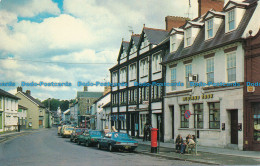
67,130
90,138
115,141
62,129
75,133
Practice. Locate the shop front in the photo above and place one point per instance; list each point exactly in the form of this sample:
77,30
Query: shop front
216,115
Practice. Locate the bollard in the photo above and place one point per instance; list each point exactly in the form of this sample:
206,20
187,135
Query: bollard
154,140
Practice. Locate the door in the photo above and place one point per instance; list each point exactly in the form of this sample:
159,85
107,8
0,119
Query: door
40,123
172,110
159,127
234,129
132,125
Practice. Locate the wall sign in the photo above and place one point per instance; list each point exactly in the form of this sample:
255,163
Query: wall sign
208,96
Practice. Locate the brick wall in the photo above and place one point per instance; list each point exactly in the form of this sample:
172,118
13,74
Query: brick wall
206,5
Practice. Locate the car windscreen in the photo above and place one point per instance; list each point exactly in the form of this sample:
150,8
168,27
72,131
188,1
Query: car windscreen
69,128
121,135
97,133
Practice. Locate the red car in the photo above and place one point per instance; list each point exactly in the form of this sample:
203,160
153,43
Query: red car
76,132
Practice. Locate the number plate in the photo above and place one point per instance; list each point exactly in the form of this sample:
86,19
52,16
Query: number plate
127,147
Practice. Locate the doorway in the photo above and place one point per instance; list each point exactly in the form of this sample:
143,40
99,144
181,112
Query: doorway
234,126
172,111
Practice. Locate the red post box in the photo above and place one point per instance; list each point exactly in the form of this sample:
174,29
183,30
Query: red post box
154,140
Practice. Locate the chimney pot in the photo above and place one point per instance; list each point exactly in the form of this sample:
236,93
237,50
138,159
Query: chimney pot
19,89
28,92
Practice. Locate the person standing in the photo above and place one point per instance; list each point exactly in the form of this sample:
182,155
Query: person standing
145,131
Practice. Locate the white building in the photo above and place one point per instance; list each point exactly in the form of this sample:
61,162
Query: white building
8,111
209,49
22,116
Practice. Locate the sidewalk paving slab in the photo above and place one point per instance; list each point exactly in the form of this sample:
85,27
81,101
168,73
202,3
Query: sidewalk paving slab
205,155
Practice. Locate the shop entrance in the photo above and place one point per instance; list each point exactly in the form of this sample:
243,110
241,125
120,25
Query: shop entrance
234,125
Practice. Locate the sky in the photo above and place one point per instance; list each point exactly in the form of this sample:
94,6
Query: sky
72,40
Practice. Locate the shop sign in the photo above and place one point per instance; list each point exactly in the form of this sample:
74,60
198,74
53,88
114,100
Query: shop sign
208,96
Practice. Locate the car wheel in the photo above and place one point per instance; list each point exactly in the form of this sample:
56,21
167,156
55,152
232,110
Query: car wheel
87,144
78,142
98,146
111,149
74,140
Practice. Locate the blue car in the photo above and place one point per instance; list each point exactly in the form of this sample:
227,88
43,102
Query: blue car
115,141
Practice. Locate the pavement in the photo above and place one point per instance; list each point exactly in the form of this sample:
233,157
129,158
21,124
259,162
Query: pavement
205,155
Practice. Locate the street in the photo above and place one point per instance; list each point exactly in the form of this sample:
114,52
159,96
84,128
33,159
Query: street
46,148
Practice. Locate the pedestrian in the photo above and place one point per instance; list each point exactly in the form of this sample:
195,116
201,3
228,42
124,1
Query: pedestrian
190,144
178,143
145,131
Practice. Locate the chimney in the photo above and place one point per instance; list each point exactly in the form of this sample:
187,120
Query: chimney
85,88
28,92
174,22
206,5
107,89
19,89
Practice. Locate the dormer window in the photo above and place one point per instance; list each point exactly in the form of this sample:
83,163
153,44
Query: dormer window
210,28
231,20
188,37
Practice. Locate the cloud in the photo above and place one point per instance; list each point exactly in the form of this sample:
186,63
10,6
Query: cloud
30,8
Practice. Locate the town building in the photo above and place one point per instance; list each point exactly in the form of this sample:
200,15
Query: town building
36,110
85,100
22,116
66,116
135,104
74,107
8,111
252,89
209,51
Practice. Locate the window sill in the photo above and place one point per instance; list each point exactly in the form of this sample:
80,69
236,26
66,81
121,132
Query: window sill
144,76
157,72
217,130
133,80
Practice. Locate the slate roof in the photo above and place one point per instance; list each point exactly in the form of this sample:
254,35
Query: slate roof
125,45
155,36
221,38
136,39
89,94
7,94
34,100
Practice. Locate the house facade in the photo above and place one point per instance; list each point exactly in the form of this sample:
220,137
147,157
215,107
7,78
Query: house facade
8,111
36,110
22,116
206,69
252,92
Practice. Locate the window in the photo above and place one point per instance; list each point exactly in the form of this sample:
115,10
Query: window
184,121
231,20
133,49
114,77
231,67
1,104
198,109
188,71
144,67
210,28
145,42
214,115
188,37
210,69
173,78
123,75
133,71
256,121
156,62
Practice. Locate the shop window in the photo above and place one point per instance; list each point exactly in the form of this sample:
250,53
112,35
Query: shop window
256,114
184,121
214,115
143,119
198,109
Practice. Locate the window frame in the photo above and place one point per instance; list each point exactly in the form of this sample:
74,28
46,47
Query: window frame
173,88
210,72
210,28
231,19
187,82
214,121
188,37
233,53
183,120
201,110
